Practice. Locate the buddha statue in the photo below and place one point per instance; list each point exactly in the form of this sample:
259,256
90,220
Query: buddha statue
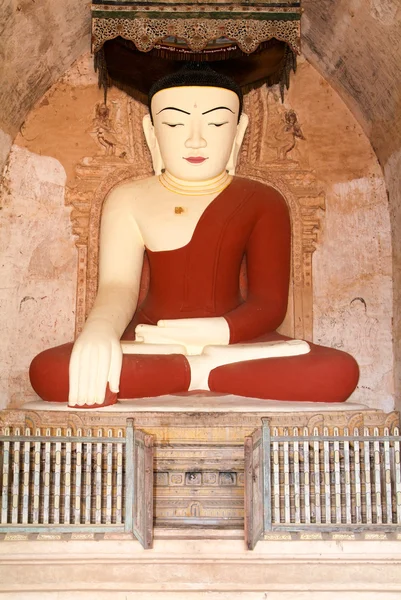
195,221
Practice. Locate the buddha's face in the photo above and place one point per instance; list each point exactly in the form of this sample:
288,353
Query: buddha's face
196,130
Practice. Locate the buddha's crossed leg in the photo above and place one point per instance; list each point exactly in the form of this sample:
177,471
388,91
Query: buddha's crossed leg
322,375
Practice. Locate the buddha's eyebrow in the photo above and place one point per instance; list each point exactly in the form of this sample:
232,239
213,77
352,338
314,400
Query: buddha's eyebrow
217,108
173,108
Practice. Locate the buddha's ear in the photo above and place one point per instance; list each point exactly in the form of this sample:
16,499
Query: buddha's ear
153,144
239,137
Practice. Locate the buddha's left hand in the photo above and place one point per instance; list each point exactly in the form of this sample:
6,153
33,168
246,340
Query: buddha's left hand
194,334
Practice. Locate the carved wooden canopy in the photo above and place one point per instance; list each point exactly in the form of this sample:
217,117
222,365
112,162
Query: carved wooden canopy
137,42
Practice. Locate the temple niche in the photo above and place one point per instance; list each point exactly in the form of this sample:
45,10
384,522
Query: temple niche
73,149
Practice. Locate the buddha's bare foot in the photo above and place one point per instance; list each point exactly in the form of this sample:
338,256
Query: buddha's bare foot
217,356
256,350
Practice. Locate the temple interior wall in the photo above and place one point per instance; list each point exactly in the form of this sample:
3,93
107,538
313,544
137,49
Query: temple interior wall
354,44
39,42
313,137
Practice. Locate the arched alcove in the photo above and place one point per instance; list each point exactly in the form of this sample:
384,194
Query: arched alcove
70,152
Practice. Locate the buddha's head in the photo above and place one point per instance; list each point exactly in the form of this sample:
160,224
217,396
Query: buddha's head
195,127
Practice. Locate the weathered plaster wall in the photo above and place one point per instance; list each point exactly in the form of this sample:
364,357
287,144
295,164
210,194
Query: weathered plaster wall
38,42
37,268
5,146
352,266
330,149
392,171
356,45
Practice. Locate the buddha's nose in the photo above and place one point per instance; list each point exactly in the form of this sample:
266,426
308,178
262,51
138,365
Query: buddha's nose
195,139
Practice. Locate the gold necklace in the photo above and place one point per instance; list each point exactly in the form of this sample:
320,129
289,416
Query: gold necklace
195,188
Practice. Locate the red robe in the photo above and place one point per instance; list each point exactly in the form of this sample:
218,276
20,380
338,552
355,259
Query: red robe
201,279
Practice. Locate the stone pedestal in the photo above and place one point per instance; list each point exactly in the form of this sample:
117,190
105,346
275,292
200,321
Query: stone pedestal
199,550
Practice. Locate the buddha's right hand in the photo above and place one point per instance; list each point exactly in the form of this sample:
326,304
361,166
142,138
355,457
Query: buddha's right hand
96,360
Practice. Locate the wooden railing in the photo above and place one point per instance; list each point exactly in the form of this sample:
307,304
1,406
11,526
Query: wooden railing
316,481
96,482
101,480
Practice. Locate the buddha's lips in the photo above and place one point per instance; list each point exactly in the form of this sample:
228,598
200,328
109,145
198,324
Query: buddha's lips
196,160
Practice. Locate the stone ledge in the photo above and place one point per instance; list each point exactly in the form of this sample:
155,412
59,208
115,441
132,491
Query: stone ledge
206,595
174,535
221,570
201,403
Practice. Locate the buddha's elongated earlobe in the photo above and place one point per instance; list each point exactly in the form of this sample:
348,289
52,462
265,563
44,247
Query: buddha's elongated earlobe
153,144
239,137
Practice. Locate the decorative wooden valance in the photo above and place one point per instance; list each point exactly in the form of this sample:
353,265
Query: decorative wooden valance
136,42
247,24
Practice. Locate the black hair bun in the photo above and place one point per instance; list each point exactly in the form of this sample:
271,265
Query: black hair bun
196,74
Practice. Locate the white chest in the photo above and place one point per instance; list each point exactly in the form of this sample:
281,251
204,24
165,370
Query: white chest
167,221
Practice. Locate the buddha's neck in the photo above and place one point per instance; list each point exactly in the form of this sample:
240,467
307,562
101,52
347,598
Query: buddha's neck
195,188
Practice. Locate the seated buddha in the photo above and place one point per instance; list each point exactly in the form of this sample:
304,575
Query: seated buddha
196,222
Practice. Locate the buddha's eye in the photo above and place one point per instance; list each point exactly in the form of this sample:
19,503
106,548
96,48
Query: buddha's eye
173,124
218,124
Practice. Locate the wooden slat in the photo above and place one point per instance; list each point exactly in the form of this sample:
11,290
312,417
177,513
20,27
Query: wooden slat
57,480
326,475
25,479
358,490
36,483
286,460
143,488
367,479
5,480
15,457
266,483
255,498
276,480
87,453
306,478
67,481
148,500
347,481
129,476
316,472
109,481
248,493
397,475
98,483
297,489
387,482
119,484
78,483
337,478
377,478
46,482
